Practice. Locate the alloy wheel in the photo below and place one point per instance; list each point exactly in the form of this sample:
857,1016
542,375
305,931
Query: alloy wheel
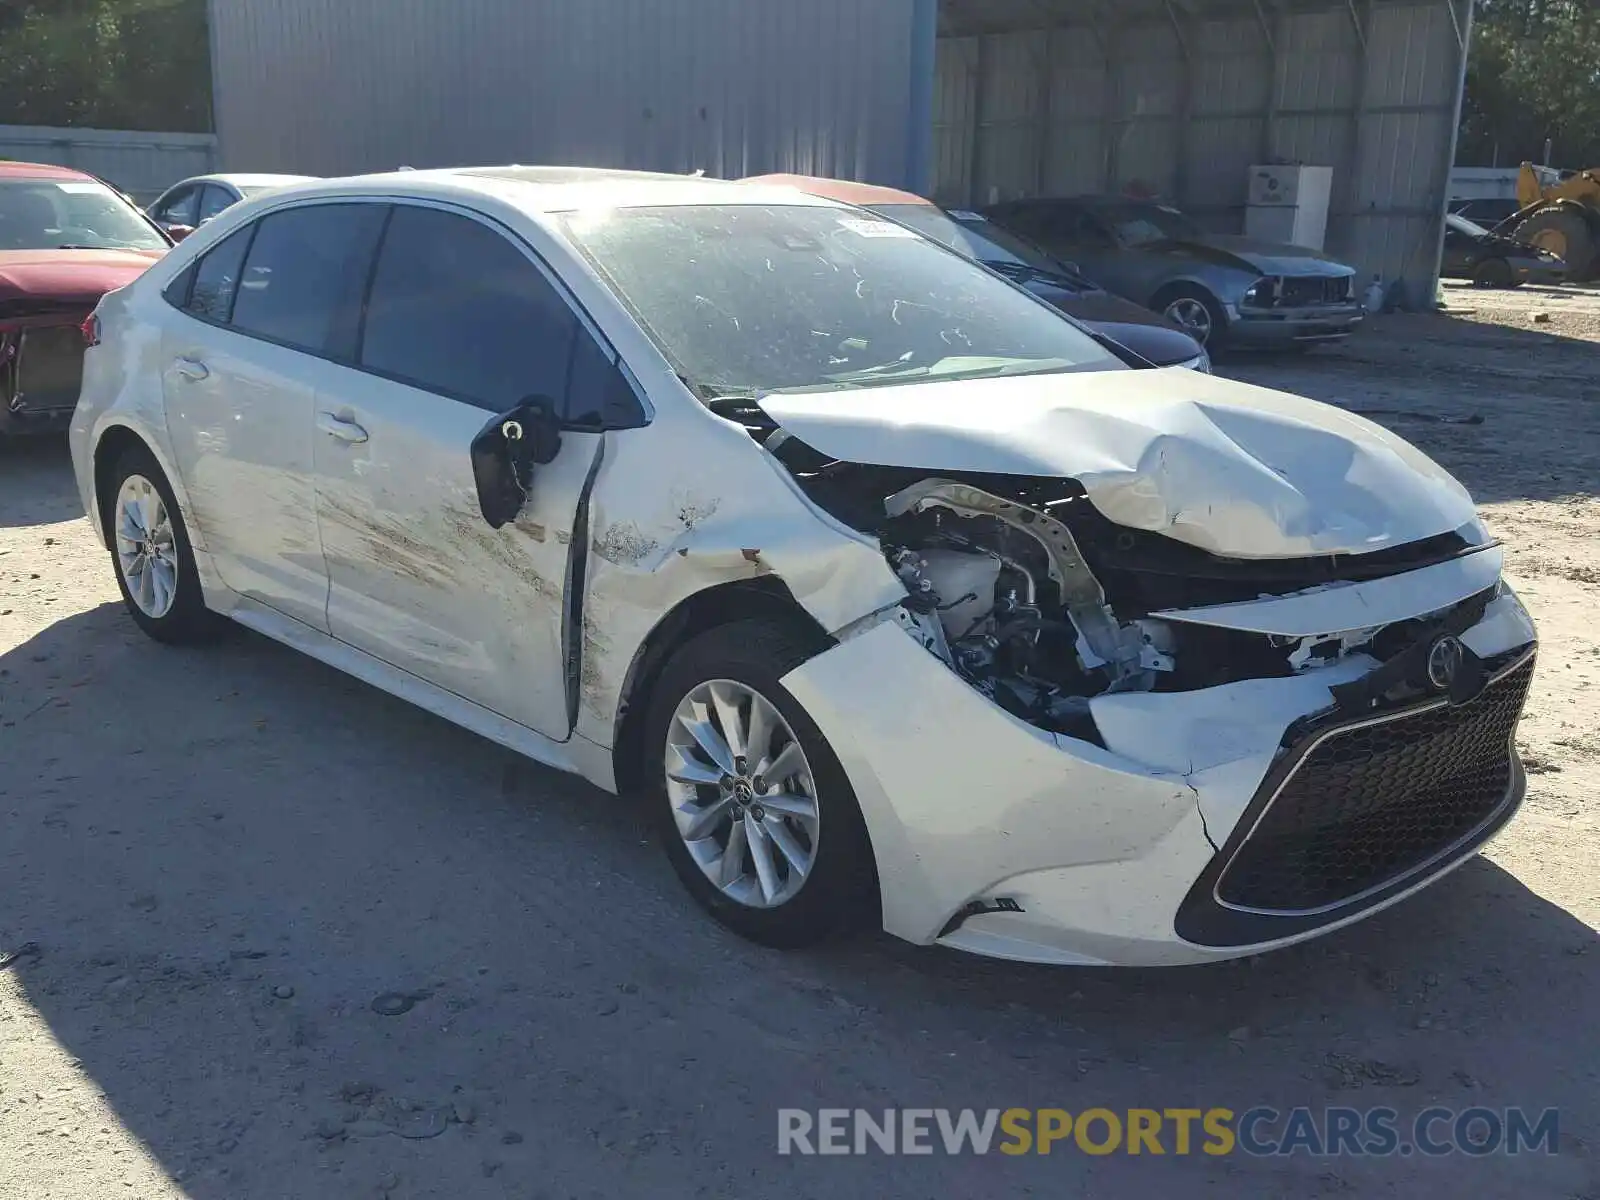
147,554
742,792
1192,316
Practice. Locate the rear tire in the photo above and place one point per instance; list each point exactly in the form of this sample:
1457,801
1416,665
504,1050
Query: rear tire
804,813
151,554
1563,232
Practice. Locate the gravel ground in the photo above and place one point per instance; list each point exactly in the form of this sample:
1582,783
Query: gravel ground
296,939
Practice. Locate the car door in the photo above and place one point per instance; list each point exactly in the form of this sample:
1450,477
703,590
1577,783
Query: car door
462,323
261,311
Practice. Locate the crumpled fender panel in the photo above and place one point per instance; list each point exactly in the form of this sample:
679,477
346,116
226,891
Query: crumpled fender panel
732,513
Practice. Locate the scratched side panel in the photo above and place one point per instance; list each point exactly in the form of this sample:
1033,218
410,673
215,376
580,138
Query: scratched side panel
418,578
241,438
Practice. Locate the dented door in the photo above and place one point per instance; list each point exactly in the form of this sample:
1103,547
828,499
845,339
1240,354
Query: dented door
417,577
460,323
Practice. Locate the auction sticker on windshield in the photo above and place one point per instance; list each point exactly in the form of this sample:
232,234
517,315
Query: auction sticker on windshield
875,229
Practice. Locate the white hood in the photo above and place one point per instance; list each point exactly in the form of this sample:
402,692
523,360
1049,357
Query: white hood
1237,470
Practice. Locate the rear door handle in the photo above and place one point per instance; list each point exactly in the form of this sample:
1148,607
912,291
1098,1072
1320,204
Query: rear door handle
337,427
192,368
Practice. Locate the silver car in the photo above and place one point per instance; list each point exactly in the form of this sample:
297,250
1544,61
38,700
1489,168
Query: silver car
1220,288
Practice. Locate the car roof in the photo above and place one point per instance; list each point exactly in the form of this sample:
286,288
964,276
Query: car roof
559,189
27,170
845,190
246,179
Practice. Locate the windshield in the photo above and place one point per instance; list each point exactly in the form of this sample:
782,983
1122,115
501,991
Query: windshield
971,235
1470,228
1139,224
748,299
48,214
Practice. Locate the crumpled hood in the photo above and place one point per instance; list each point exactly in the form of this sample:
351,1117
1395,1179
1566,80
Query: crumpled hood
70,275
1236,470
1277,258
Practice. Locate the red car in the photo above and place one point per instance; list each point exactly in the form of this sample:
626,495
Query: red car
66,239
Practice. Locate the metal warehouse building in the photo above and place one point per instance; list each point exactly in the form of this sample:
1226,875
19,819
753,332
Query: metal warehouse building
968,100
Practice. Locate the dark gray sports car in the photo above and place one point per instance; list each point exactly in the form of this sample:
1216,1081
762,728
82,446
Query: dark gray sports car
1490,259
1219,287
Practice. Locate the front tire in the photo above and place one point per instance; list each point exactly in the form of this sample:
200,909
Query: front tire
1195,311
1493,272
151,554
752,805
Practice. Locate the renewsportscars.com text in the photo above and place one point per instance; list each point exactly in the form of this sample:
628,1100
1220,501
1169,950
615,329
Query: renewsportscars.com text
1262,1131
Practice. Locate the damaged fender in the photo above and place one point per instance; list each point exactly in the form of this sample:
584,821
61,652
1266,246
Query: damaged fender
744,520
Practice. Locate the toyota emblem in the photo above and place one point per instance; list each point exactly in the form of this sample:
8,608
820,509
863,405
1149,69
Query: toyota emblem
1444,662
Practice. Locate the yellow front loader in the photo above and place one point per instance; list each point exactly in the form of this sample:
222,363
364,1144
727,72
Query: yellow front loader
1562,217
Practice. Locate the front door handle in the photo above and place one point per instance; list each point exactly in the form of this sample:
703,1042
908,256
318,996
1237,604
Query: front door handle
337,427
192,368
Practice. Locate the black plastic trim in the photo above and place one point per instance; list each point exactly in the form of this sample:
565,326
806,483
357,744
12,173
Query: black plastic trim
1205,920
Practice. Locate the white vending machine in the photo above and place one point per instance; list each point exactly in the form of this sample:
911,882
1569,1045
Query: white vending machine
1289,204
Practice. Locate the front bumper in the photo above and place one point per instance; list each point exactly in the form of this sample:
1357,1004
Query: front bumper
1533,270
995,837
1289,326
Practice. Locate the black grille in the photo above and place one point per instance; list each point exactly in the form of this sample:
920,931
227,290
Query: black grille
1372,803
1303,290
50,367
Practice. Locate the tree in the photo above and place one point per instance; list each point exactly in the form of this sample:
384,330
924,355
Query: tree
1533,74
111,64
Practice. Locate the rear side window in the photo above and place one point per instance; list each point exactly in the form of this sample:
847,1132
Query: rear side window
456,308
216,279
303,278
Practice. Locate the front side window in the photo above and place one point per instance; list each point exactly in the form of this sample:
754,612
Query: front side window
456,308
304,276
759,298
71,214
180,207
1145,224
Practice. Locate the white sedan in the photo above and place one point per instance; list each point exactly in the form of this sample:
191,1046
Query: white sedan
898,597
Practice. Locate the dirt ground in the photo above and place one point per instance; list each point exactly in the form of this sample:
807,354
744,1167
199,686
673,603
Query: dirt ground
224,857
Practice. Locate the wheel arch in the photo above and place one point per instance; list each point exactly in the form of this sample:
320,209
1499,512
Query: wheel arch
115,441
765,597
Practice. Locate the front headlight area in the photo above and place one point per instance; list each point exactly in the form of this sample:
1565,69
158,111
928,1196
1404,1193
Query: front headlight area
1200,362
1045,607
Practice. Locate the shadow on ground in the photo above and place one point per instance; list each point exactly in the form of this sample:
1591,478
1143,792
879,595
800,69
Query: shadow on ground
1513,412
40,489
309,941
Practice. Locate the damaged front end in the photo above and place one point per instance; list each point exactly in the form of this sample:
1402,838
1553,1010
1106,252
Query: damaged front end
41,365
1273,698
1041,603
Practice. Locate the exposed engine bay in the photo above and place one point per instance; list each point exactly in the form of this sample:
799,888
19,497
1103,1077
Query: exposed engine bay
1041,603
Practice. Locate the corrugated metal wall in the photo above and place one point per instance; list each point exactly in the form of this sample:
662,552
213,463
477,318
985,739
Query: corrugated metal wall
731,86
142,164
1186,105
